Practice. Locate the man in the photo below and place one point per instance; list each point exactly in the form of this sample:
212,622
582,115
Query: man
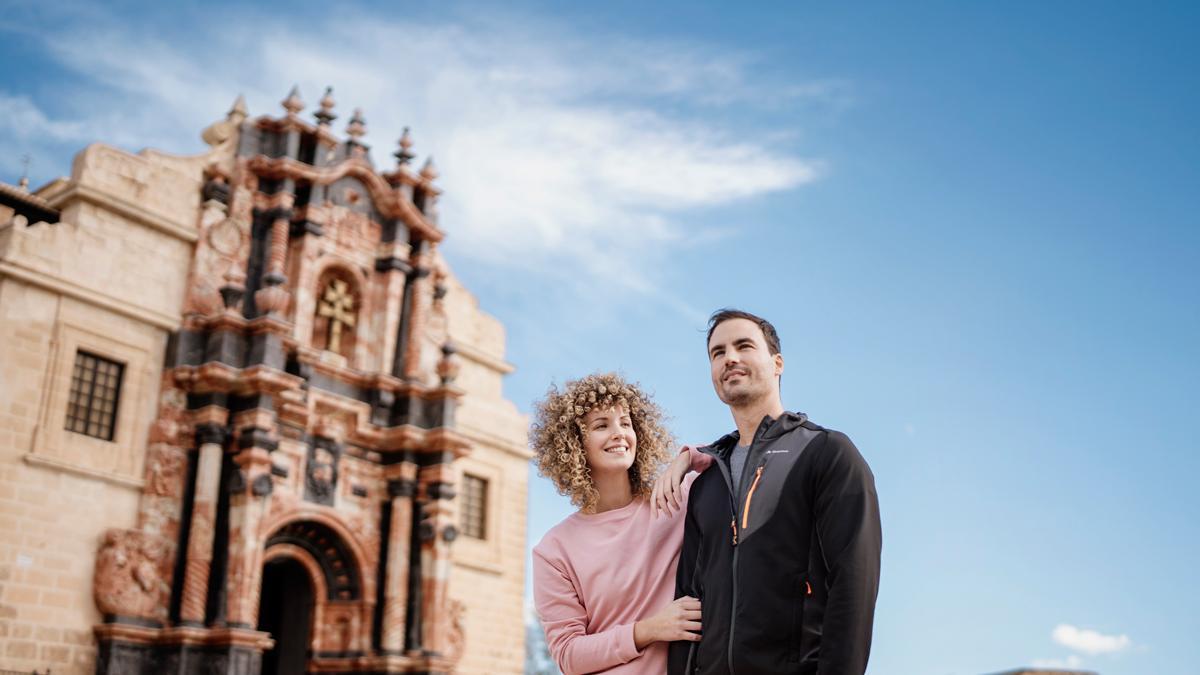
782,537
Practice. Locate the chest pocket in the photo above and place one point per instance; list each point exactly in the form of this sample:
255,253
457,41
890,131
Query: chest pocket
770,475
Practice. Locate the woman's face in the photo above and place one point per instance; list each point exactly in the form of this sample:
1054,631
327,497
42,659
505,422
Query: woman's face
608,440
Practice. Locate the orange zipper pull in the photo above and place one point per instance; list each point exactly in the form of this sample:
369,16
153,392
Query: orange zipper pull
807,588
749,496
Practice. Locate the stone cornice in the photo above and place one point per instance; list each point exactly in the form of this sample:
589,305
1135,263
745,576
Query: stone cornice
468,351
107,476
87,295
386,199
508,445
125,208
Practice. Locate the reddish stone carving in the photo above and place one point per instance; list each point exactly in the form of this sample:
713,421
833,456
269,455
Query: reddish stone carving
164,471
272,299
456,639
130,579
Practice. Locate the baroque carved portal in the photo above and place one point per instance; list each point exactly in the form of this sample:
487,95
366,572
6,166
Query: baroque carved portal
267,524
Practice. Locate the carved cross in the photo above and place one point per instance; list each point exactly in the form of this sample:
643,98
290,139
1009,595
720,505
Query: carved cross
337,304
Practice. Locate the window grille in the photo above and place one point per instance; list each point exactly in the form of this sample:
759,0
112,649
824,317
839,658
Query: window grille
473,507
95,393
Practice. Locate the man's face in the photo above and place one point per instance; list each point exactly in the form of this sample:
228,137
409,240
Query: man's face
743,368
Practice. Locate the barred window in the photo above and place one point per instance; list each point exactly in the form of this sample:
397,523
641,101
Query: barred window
474,506
95,392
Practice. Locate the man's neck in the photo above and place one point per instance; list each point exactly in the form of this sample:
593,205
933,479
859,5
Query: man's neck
749,416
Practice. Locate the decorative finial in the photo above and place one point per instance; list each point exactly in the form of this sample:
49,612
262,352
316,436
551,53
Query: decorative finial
325,114
239,109
357,126
24,182
292,103
234,289
405,154
449,366
429,172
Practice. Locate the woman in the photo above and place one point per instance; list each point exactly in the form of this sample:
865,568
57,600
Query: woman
604,578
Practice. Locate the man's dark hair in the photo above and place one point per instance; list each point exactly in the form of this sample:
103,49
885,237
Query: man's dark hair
722,315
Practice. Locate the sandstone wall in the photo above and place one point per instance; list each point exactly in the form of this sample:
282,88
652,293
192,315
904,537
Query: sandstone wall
489,574
107,279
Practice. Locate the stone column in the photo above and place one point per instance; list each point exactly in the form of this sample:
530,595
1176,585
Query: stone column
249,489
388,301
277,254
401,490
211,441
438,530
273,298
420,298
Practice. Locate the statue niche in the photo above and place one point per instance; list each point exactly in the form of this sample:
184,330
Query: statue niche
338,302
321,472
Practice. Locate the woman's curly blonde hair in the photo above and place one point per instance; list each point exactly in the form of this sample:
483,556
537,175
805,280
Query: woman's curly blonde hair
557,435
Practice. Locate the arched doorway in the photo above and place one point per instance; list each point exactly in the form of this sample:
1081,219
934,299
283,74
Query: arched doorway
285,611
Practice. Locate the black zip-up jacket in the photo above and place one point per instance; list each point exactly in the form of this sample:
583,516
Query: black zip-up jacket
787,574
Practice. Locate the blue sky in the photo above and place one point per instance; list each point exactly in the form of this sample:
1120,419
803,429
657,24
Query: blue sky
975,226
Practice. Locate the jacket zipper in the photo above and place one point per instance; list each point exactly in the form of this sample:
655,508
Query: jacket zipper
750,495
733,526
745,521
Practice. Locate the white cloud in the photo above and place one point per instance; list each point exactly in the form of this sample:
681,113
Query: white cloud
1072,662
558,149
21,118
1089,641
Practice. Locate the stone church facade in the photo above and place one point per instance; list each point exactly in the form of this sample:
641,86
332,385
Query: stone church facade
250,421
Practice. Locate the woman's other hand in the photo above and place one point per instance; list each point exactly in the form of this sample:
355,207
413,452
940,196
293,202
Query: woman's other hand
679,620
667,494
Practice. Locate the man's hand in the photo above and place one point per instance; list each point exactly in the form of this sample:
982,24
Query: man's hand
668,491
679,620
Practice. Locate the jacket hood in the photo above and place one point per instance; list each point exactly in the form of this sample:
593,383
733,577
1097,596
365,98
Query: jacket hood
768,429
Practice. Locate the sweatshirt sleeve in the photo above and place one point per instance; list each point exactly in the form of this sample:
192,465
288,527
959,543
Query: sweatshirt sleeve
565,620
847,516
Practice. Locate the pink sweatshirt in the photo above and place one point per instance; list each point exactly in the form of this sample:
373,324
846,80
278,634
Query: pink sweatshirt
595,575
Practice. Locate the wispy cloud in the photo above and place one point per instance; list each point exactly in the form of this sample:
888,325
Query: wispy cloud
559,150
1089,641
21,118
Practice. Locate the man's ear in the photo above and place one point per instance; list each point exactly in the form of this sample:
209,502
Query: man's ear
778,365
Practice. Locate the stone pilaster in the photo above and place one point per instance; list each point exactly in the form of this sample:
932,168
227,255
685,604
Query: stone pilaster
249,487
392,271
420,297
211,440
402,488
437,532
